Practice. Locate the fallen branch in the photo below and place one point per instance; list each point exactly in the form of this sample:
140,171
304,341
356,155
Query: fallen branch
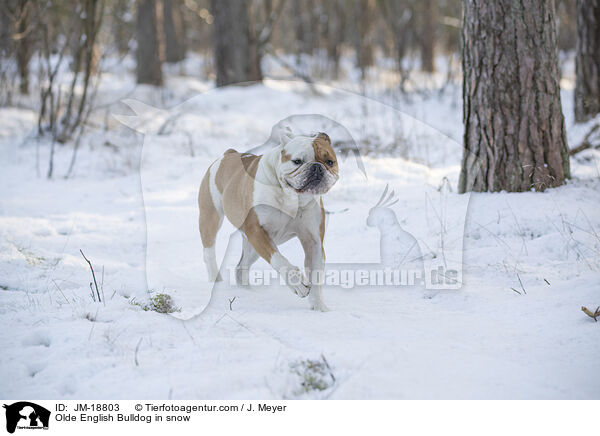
589,313
586,143
93,276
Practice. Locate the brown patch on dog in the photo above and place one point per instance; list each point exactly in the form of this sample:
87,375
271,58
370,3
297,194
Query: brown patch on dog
324,152
322,228
209,220
258,236
235,181
285,157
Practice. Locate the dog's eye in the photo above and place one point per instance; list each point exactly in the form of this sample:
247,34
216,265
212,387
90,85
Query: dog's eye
297,161
330,162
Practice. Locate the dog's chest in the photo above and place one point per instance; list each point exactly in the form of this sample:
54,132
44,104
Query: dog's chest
280,226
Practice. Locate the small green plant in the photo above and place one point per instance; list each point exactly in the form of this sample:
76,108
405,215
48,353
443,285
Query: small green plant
315,375
161,303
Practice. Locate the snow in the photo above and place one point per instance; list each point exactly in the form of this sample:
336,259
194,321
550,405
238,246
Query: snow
514,329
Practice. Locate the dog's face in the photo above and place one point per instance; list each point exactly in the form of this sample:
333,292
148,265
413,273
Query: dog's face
308,165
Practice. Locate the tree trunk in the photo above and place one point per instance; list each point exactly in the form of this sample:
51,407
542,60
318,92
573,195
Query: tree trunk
364,39
24,43
149,59
587,60
174,31
335,33
231,41
427,37
514,131
254,49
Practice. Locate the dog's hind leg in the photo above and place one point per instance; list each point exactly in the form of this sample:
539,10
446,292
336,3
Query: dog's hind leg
211,218
249,256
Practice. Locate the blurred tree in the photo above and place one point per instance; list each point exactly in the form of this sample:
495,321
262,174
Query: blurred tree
336,19
121,26
174,31
263,15
399,15
587,60
148,35
18,36
364,16
231,41
428,34
514,131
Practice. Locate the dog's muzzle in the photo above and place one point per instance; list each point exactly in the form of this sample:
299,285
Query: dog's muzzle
315,179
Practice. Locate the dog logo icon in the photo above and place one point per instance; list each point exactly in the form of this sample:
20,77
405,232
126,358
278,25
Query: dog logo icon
26,415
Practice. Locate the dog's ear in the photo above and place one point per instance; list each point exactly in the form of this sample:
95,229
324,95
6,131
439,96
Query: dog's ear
285,135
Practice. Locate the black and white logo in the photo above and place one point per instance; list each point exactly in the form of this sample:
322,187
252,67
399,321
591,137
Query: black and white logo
26,415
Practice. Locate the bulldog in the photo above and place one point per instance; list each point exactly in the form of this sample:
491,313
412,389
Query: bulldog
272,198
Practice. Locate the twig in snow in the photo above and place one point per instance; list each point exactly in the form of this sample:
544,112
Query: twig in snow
328,367
589,313
522,287
93,276
137,348
516,291
231,300
92,291
61,292
102,286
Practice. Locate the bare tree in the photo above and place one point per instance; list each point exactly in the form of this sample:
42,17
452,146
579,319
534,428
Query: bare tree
263,15
231,41
514,131
18,26
174,31
149,56
336,19
364,16
398,15
587,60
427,36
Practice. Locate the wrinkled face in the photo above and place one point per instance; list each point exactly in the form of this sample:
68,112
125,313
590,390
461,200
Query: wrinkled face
308,165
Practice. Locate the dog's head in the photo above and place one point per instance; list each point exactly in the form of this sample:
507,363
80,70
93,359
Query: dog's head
307,164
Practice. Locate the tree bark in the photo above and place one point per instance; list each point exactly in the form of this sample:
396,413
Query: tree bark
363,10
514,131
174,31
428,35
231,41
587,60
24,43
149,59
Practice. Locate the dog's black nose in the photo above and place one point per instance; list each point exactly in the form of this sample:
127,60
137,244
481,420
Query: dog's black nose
316,169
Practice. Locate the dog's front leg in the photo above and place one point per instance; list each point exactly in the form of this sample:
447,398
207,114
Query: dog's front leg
314,265
260,240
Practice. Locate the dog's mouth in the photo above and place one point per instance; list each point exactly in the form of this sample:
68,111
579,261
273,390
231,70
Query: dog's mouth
314,180
312,186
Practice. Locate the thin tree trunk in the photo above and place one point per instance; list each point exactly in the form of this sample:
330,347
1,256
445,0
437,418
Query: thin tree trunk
174,31
428,35
587,60
231,41
149,59
364,39
514,131
24,43
254,49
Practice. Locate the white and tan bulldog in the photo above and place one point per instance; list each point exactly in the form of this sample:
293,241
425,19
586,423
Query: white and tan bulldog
271,198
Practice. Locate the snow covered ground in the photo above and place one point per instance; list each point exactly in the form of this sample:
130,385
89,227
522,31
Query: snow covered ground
514,329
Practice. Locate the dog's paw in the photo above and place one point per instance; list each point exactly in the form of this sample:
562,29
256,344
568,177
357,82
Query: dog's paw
298,282
319,307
